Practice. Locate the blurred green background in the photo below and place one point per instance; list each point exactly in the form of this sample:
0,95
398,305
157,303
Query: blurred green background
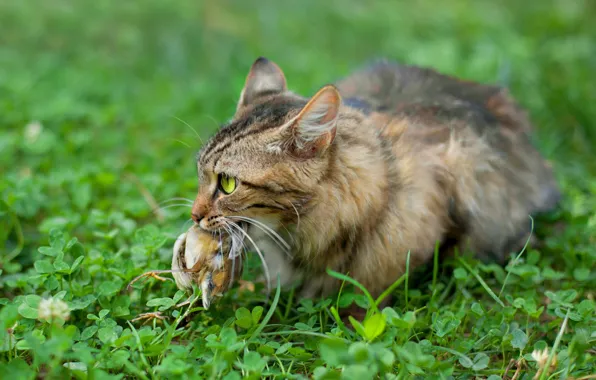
100,100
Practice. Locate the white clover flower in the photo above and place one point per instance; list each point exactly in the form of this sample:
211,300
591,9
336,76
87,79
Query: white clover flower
76,366
541,358
32,131
53,308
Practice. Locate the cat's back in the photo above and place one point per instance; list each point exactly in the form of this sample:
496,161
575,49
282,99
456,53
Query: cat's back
426,94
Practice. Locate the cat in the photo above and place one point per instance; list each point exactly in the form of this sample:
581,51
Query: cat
393,159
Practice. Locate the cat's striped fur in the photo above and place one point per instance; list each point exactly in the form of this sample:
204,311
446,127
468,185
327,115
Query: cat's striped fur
389,160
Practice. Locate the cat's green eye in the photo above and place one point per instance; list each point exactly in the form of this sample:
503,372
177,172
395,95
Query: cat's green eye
227,184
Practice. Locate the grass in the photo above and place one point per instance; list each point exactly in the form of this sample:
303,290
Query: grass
95,97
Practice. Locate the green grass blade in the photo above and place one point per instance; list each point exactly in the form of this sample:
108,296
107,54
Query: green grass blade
517,257
269,313
481,281
343,277
553,352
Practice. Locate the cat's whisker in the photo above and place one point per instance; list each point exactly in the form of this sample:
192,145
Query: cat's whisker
265,228
169,206
185,200
184,228
282,244
175,205
269,231
220,246
181,142
289,234
211,118
233,257
191,128
236,239
242,250
297,216
261,256
233,270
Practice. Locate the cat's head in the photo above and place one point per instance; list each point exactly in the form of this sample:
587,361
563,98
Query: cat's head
267,162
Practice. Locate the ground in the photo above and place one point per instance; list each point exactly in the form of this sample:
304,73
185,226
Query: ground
99,104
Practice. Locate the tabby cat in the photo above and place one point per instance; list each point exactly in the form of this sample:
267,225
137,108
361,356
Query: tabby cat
390,160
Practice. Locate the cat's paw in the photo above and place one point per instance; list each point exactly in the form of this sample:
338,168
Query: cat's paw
208,260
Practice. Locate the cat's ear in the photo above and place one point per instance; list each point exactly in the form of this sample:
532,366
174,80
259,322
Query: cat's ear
313,130
264,78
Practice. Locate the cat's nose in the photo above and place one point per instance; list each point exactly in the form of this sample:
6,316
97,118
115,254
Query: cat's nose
196,217
200,208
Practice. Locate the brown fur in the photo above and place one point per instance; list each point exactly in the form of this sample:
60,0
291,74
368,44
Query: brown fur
409,158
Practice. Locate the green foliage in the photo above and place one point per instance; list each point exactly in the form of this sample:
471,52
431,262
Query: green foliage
95,97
